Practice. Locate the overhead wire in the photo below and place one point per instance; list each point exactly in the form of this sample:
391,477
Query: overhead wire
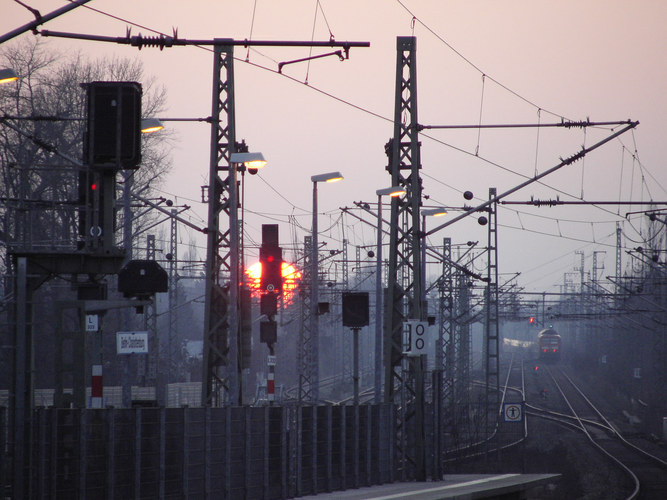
414,20
377,115
470,63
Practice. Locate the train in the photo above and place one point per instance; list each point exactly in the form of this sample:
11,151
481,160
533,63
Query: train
549,344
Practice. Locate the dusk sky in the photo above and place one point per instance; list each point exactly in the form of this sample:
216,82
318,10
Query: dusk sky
500,62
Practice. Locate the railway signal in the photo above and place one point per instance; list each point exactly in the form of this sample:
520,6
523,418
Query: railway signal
271,259
271,282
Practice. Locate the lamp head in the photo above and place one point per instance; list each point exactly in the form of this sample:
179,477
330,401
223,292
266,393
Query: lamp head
434,212
8,75
249,160
392,191
328,177
149,125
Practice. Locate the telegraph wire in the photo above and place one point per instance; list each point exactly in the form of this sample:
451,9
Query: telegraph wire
377,115
473,65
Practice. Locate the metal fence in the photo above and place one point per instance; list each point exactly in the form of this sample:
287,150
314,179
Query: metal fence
231,452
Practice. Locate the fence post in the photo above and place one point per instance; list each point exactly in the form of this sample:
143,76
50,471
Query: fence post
329,446
43,460
343,447
54,451
163,450
285,419
228,451
186,451
369,442
356,445
299,452
314,440
390,436
247,452
82,453
265,465
110,418
207,452
137,452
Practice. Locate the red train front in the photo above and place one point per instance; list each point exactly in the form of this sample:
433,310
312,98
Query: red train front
549,344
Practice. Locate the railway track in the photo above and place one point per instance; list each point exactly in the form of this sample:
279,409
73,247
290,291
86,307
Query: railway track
645,472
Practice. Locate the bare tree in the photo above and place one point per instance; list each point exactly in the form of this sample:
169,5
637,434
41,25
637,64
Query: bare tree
41,114
44,112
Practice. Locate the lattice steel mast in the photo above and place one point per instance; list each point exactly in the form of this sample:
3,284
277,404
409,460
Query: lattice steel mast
221,311
405,287
492,335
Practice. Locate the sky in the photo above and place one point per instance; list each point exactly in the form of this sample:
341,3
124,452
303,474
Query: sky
478,61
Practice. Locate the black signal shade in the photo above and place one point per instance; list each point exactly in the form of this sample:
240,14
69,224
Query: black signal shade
355,309
114,125
268,304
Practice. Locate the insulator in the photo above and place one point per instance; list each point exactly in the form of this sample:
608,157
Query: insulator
152,41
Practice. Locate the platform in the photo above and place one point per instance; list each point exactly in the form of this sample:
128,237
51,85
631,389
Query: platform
455,486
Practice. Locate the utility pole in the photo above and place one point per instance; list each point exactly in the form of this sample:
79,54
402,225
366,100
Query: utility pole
304,347
173,296
405,287
445,349
492,336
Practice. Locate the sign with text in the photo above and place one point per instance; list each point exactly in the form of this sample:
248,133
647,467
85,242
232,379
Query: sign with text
131,342
414,337
92,322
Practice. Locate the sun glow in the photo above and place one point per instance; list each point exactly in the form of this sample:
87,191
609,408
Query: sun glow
291,277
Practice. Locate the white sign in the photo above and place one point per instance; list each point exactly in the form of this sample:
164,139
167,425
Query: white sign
131,342
512,412
92,322
271,360
414,336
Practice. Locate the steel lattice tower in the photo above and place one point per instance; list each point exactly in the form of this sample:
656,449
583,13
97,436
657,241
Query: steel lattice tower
173,296
445,348
492,328
305,345
462,340
405,287
152,369
222,250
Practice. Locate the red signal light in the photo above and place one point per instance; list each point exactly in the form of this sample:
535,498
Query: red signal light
270,258
94,186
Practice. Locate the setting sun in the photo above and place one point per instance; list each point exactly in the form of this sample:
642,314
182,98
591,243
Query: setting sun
290,275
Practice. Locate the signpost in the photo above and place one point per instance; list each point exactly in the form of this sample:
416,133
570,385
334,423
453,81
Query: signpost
131,342
92,322
414,337
513,412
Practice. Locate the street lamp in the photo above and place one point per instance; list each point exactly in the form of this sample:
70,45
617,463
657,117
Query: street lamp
434,212
314,291
240,161
249,160
392,192
153,124
8,75
149,125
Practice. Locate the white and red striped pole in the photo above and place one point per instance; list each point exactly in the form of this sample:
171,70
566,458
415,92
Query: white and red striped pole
271,379
96,387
